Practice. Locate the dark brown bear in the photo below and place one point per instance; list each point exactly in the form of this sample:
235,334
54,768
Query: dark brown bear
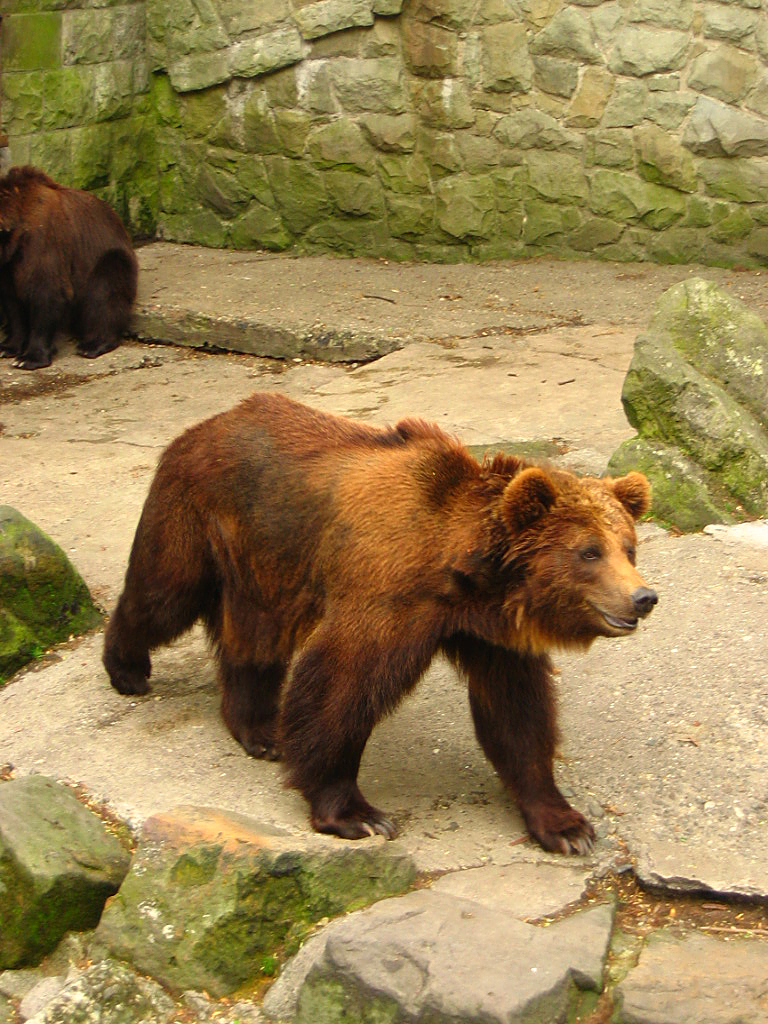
366,551
66,267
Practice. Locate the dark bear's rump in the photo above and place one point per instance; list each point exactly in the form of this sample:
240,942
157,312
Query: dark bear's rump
66,266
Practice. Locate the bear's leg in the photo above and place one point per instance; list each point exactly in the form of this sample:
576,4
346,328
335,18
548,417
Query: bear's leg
46,318
15,317
342,684
106,306
249,705
513,707
170,583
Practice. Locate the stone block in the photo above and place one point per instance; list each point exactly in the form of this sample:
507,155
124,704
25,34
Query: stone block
22,102
405,174
661,158
569,34
357,194
724,72
465,206
507,65
424,957
610,147
299,192
410,216
43,598
644,50
341,143
390,134
212,895
261,54
547,224
716,129
31,42
741,181
696,977
94,36
368,84
555,75
430,50
321,17
445,104
531,129
259,227
455,14
588,104
696,383
557,177
627,106
679,15
622,197
58,865
728,21
293,128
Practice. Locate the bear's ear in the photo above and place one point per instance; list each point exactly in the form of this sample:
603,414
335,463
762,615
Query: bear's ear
634,493
527,498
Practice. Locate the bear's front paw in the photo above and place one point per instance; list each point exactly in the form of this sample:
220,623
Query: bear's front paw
356,826
561,830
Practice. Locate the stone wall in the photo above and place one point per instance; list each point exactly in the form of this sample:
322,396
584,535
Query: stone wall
441,129
76,99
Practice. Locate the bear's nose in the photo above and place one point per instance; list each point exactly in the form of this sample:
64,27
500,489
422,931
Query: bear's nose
644,600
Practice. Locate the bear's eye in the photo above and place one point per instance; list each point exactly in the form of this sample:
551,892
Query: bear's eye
631,555
591,553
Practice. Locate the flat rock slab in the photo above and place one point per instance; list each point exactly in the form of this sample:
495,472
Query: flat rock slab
322,307
443,958
695,978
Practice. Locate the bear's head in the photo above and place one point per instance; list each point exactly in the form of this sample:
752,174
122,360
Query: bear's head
570,543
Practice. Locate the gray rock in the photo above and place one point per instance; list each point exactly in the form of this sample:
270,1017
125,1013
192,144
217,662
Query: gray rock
716,128
211,897
524,891
58,865
108,993
675,867
426,956
38,997
695,978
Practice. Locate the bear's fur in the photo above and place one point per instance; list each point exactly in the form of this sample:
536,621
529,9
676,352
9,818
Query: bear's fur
66,266
365,551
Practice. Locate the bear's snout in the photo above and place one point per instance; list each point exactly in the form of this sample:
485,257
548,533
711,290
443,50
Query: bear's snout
644,600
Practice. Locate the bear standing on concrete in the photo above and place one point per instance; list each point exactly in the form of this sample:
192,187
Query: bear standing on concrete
367,551
66,266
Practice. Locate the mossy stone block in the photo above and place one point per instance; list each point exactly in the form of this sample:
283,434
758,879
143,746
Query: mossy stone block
31,42
58,865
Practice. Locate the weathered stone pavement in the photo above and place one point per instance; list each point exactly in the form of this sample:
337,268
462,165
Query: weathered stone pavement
665,740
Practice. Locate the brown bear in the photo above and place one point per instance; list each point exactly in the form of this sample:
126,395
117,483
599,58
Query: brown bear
66,266
364,552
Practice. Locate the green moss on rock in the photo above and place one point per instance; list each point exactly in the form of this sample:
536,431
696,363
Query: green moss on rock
43,600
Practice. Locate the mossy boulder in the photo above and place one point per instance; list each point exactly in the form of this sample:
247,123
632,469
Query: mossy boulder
43,600
58,865
213,898
696,393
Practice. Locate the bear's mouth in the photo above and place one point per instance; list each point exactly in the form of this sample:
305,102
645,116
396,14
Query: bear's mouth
620,625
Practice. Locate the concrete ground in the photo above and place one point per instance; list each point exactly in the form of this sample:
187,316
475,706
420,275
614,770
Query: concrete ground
665,739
